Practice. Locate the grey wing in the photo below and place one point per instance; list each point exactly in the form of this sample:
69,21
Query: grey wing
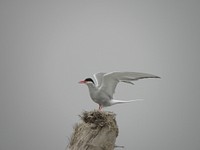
110,80
98,78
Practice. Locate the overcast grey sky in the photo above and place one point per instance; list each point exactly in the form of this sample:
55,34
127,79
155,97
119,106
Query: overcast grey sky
46,47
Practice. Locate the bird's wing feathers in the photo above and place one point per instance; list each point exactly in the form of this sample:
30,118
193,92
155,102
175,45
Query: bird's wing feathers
98,78
110,80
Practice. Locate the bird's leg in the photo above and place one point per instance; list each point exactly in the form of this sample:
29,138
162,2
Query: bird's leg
100,107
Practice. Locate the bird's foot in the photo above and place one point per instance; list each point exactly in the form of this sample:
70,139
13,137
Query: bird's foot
100,107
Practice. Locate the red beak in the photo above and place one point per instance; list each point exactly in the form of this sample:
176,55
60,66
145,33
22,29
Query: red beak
82,82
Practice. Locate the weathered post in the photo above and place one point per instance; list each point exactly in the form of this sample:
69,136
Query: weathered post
97,131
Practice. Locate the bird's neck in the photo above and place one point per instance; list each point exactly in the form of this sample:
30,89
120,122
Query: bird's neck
92,88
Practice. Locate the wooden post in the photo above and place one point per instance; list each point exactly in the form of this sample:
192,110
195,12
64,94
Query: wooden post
97,131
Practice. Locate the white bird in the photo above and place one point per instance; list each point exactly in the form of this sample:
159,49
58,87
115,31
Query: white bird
102,92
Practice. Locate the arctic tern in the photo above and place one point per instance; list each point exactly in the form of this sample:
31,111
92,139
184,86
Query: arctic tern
102,92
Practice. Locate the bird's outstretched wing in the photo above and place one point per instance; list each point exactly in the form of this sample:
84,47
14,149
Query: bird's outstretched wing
98,78
110,80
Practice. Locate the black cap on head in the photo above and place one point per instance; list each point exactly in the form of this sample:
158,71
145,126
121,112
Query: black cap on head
89,79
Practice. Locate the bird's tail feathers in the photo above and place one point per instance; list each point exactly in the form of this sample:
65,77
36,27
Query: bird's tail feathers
114,101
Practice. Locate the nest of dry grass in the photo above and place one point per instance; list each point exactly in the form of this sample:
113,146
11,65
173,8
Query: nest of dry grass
99,119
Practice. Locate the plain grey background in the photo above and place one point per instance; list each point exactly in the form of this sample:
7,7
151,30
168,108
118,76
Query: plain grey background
46,47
